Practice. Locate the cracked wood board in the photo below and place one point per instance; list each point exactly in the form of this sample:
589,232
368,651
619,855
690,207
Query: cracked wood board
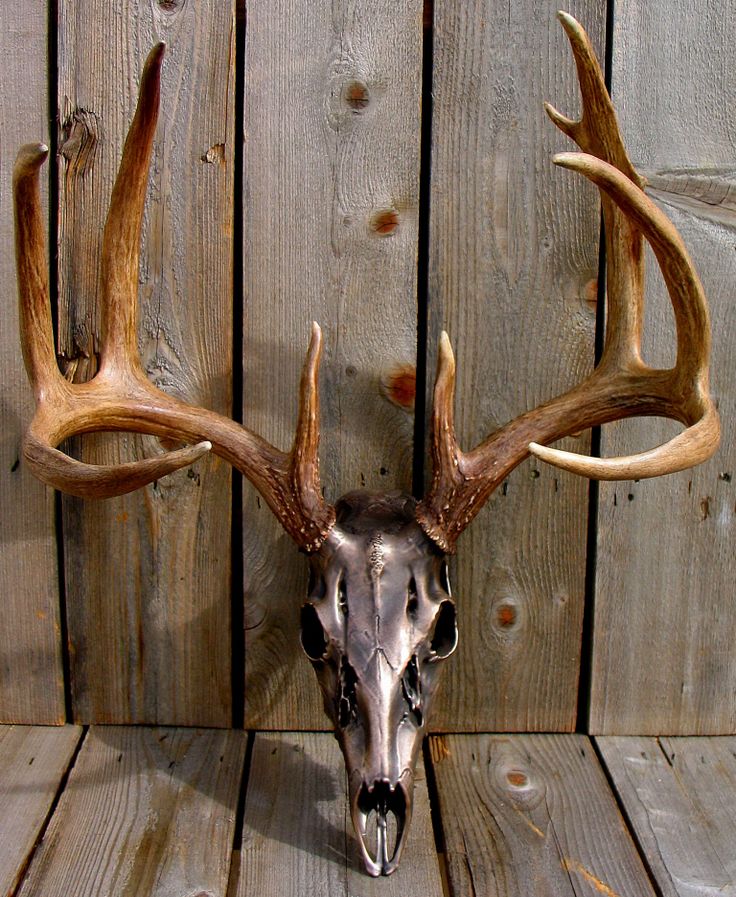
330,224
513,269
145,813
679,795
148,574
665,560
33,761
31,677
298,828
532,814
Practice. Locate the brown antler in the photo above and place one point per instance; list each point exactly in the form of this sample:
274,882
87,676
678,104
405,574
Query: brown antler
120,397
621,385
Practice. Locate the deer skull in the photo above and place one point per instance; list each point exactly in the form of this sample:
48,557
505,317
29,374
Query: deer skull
377,623
379,617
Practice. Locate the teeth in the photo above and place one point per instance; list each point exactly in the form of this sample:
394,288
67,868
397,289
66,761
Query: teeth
375,803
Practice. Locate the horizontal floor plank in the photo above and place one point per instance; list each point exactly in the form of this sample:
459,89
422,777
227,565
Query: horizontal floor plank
680,799
33,761
532,814
298,836
145,812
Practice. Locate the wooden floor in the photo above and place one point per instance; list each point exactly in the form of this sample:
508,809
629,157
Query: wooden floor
122,811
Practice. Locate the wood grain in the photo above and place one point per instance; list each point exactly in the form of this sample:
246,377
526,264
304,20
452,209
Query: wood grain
145,812
665,568
513,266
330,207
532,814
302,833
679,796
31,678
148,575
33,760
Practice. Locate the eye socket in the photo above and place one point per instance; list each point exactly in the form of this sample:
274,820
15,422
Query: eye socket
313,637
444,637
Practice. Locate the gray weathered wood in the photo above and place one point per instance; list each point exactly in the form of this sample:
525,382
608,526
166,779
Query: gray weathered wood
31,686
145,812
513,270
148,575
665,619
298,834
332,132
33,761
532,814
679,795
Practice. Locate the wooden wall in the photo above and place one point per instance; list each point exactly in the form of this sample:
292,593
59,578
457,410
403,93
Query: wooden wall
395,170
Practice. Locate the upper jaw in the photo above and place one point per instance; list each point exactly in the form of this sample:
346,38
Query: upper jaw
383,799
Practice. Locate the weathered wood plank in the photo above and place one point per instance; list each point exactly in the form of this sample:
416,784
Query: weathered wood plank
145,812
31,678
679,795
33,761
332,131
298,832
513,267
148,575
532,814
666,566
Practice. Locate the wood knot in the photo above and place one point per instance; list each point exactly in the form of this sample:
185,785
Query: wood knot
81,134
399,386
357,96
385,222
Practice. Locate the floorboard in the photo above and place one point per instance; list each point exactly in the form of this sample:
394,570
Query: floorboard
33,761
140,811
145,812
532,815
679,795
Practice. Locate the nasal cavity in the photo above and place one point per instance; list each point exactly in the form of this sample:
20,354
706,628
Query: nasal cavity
412,601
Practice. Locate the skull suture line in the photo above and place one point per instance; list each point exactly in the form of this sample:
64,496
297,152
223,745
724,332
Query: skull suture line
379,618
378,621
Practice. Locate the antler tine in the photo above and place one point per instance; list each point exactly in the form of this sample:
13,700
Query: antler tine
597,132
120,397
621,385
122,235
36,329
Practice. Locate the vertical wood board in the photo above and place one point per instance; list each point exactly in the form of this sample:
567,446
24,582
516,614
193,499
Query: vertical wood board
302,832
513,268
330,206
145,812
532,814
148,575
31,678
33,760
665,559
679,796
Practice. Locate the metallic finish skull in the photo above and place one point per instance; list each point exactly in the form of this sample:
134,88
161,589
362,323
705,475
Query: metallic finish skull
378,620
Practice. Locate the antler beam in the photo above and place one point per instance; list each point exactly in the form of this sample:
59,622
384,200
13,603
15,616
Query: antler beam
120,396
621,385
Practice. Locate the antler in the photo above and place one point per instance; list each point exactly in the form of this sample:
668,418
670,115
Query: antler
621,385
120,396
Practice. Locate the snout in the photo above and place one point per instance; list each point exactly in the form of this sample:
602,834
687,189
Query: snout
381,813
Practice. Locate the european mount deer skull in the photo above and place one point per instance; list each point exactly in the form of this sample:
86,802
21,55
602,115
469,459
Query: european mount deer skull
379,620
